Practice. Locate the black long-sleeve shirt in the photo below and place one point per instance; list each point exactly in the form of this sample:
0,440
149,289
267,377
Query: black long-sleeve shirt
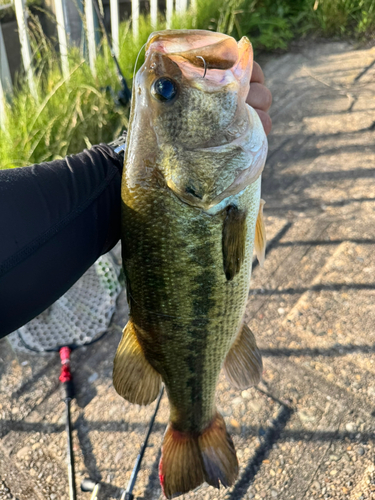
56,219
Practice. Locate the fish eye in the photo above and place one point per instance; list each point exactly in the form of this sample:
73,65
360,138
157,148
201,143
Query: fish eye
164,89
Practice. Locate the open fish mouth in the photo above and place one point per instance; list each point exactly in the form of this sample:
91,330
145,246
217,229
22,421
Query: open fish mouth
204,55
223,50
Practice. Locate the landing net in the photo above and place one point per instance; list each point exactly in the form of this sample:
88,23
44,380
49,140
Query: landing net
79,317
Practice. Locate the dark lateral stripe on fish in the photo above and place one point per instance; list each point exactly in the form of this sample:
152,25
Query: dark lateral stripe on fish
203,304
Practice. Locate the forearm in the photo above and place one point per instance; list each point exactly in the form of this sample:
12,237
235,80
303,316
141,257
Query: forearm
56,219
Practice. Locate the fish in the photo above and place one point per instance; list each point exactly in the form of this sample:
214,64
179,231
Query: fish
191,216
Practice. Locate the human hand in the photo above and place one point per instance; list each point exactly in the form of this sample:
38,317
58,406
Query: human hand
260,97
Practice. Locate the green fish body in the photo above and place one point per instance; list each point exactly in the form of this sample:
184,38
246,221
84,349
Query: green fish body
191,211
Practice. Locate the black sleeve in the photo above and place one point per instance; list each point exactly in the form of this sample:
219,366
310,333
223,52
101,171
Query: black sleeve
56,219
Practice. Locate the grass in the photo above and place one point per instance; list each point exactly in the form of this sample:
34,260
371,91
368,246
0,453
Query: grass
7,11
271,24
343,17
69,115
73,113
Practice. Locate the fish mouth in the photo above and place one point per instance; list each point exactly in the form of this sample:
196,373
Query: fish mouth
188,41
197,50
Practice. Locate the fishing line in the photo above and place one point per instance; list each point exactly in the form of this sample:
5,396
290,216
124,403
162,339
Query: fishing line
124,95
136,61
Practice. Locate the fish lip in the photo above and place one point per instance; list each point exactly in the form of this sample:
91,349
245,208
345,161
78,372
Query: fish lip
193,50
183,33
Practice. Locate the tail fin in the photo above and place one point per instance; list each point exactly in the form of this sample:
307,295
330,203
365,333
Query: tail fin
218,453
181,467
188,460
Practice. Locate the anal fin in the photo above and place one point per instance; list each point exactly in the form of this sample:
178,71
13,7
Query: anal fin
133,376
260,241
243,364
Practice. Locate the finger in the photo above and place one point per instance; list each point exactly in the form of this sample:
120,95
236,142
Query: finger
257,74
259,97
266,120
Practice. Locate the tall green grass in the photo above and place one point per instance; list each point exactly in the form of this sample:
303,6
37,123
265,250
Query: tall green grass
271,24
76,112
340,17
73,113
69,115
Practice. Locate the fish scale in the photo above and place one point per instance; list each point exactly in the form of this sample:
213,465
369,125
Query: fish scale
179,291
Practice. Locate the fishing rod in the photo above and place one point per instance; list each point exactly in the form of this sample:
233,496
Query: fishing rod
56,332
92,486
128,494
66,379
124,94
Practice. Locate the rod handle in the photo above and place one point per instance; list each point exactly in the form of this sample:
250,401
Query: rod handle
68,389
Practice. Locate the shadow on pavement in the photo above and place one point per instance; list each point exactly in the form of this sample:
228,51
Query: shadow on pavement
153,483
247,430
271,436
83,429
338,350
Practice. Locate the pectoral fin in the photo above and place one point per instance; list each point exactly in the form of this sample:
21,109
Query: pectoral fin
233,241
260,235
243,364
133,376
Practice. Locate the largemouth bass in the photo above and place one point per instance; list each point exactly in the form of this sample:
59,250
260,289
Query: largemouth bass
191,210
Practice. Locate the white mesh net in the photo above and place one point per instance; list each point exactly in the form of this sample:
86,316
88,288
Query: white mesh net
79,317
